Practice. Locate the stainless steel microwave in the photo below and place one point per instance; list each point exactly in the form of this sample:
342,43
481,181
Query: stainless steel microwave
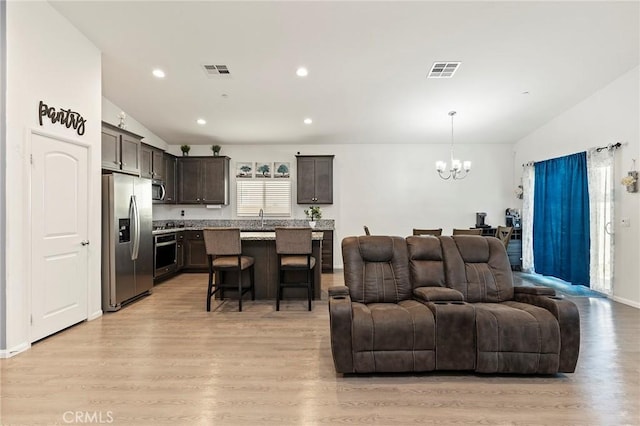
158,191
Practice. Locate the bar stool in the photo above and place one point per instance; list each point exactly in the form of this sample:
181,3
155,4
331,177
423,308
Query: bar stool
293,246
224,254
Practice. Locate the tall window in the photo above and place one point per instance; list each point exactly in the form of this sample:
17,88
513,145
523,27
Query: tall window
601,192
272,196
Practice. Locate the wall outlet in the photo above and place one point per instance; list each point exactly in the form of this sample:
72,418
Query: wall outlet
182,213
625,222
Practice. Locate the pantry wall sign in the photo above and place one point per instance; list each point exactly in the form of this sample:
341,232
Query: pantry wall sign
66,117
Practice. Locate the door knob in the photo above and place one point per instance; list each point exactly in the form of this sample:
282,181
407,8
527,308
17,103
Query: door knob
85,243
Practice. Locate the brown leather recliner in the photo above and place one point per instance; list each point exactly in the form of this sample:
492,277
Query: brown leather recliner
445,303
376,325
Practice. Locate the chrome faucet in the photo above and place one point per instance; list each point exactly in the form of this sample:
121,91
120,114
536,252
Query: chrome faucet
261,214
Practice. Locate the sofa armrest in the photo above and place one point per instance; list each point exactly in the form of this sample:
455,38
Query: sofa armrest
535,290
437,294
338,290
340,321
566,312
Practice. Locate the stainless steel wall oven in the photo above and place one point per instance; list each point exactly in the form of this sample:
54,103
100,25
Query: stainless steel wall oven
164,259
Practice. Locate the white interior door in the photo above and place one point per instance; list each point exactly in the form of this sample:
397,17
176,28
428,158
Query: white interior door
59,229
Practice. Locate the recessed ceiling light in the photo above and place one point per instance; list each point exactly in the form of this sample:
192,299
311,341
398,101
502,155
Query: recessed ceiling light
308,121
201,121
302,72
158,73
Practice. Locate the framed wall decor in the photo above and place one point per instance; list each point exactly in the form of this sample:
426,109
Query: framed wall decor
244,170
281,170
263,170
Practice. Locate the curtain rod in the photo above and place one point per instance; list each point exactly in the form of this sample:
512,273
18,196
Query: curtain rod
609,147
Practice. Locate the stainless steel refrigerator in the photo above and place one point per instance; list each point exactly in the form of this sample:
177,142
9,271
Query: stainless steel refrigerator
127,243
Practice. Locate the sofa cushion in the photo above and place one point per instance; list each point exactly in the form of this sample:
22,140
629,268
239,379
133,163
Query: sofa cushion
376,269
478,268
514,337
393,337
426,266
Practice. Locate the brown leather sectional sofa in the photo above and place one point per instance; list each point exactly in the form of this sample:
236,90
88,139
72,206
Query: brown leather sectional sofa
429,303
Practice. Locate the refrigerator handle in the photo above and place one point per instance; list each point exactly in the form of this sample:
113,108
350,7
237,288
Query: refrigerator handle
136,232
164,192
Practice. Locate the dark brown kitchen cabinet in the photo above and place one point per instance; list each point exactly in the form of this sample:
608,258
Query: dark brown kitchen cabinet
327,251
179,251
195,254
152,163
315,179
120,149
203,180
170,179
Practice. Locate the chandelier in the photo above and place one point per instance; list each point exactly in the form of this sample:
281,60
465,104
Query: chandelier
457,169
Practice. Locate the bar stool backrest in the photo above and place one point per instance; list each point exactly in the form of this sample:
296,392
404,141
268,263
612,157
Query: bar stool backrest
222,241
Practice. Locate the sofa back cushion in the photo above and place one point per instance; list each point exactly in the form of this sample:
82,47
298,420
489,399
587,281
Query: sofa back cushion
478,267
376,269
426,264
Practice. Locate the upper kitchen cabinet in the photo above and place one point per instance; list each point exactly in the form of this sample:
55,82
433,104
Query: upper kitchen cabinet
170,179
152,163
203,180
120,149
315,179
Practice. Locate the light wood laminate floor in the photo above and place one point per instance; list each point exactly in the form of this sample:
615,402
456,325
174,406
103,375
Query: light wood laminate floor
165,360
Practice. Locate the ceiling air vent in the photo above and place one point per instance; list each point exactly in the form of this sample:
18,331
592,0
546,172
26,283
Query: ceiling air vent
443,69
214,71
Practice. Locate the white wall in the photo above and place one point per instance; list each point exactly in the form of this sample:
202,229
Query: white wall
48,60
391,188
110,113
610,115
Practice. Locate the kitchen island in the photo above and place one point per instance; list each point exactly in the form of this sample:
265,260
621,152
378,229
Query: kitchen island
261,246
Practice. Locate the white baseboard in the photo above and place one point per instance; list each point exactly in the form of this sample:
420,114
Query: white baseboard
625,301
95,315
8,353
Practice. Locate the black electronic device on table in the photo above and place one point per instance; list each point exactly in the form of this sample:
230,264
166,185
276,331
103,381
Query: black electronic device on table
480,220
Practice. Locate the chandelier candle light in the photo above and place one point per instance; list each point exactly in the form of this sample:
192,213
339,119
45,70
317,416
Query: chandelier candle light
458,169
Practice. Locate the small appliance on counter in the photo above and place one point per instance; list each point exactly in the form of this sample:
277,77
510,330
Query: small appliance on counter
512,217
480,216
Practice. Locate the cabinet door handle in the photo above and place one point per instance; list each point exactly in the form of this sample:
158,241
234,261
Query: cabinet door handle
85,243
116,162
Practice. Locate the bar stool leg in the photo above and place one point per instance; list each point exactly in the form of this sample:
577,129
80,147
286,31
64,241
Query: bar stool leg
239,290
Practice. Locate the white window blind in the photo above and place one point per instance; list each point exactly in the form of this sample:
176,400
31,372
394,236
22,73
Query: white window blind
272,196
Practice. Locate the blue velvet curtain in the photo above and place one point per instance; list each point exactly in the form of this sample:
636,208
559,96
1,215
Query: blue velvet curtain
561,219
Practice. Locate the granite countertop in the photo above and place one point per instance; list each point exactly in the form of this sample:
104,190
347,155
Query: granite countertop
245,225
244,235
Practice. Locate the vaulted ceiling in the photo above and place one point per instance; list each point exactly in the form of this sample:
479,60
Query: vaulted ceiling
522,63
